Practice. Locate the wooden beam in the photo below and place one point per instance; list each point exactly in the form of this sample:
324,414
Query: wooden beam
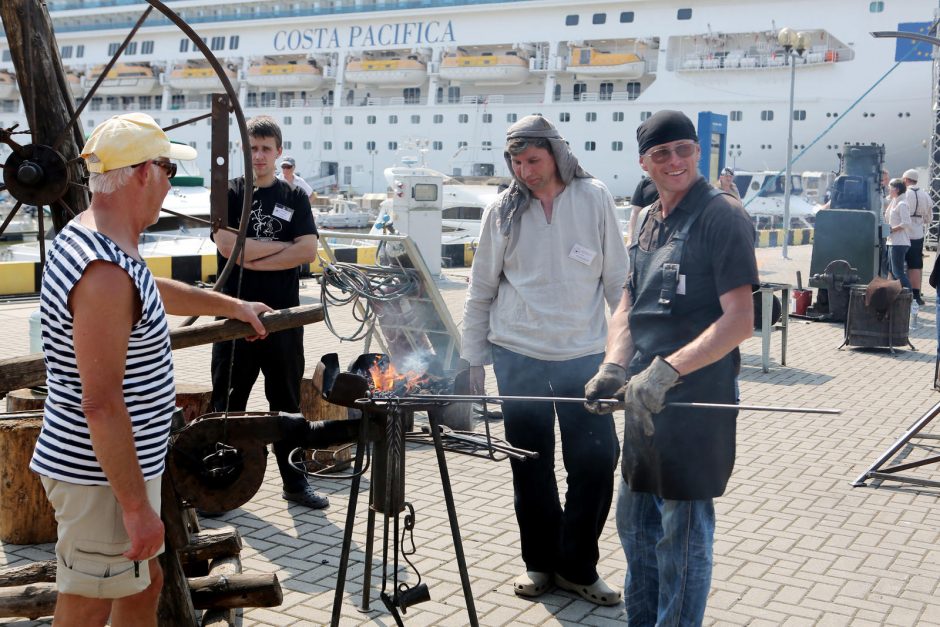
233,591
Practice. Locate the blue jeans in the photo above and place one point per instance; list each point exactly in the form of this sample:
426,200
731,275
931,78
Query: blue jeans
897,255
556,540
668,546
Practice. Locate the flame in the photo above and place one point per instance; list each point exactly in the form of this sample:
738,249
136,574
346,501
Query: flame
388,379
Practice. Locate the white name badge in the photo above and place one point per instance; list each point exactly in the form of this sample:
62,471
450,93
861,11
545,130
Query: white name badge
582,254
680,287
282,212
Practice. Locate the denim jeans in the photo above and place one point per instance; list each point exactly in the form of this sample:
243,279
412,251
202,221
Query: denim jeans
556,540
668,546
897,255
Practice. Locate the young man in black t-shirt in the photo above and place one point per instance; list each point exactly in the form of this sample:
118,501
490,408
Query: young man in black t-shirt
281,237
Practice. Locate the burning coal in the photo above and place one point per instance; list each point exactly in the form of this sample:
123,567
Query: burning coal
387,382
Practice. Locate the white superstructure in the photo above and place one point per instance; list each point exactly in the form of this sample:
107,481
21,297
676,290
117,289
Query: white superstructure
352,80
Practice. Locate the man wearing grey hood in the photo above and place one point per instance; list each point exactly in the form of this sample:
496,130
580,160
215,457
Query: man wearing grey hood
550,255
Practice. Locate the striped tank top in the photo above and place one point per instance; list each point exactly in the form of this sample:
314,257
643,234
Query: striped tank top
64,450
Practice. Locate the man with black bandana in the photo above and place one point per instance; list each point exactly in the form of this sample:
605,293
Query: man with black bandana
550,255
673,338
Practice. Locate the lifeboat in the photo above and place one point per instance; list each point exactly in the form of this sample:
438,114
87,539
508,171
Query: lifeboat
391,72
591,62
124,79
485,69
201,78
284,74
8,89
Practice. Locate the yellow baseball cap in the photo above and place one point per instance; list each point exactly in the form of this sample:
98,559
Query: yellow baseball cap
130,139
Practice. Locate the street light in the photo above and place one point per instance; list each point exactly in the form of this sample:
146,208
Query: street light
372,153
794,44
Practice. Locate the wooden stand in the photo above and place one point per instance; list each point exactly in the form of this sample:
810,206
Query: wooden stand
314,407
26,517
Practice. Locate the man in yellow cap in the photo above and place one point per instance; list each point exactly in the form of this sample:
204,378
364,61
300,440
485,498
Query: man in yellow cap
109,370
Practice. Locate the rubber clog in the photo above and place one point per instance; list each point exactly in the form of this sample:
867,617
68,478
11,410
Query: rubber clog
532,583
598,593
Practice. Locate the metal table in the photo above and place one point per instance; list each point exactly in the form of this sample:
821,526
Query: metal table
766,328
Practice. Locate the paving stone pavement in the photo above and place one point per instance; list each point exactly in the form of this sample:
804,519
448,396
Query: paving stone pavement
796,544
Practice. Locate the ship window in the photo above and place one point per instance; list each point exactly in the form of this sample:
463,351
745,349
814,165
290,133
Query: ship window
347,174
328,119
684,14
308,119
461,144
618,116
633,90
218,43
599,18
463,118
347,145
6,55
626,16
113,48
766,115
252,99
438,118
143,101
288,145
233,42
606,89
370,146
564,116
184,45
370,119
131,48
590,116
348,120
416,119
412,95
590,146
393,145
453,94
736,116
308,145
393,119
287,120
146,47
616,146
556,96
876,7
80,51
437,145
645,115
799,115
66,52
571,20
486,145
487,118
511,117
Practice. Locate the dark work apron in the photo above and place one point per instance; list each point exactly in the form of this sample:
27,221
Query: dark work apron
691,454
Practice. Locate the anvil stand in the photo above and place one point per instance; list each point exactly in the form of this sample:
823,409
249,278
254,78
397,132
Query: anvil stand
393,469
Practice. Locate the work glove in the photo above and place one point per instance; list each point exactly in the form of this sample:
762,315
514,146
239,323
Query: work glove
645,394
605,384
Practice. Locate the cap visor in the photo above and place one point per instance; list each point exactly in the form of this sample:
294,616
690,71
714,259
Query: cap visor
181,152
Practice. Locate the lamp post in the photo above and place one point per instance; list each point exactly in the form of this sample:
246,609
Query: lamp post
372,153
794,44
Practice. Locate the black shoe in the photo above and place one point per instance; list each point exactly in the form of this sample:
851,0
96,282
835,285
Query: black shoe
308,497
920,301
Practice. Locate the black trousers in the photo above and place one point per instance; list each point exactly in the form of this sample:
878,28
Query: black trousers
280,356
556,540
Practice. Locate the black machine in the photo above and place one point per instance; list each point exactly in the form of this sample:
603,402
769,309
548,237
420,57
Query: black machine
851,232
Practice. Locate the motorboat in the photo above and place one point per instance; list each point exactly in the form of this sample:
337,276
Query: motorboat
342,214
763,195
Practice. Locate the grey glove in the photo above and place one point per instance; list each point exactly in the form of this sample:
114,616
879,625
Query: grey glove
605,384
645,394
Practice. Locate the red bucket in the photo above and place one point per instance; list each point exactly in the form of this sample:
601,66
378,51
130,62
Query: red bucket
802,299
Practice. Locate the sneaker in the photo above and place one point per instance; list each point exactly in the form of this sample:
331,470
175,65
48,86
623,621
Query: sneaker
531,583
920,301
598,592
308,497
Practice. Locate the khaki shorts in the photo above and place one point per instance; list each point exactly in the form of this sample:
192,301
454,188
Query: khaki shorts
92,539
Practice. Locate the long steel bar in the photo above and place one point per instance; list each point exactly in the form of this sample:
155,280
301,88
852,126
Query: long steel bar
469,398
348,529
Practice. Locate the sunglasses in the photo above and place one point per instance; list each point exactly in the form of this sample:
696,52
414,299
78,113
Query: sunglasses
287,167
662,155
167,166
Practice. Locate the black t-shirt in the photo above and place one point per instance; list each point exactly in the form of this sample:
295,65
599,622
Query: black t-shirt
645,193
279,214
721,241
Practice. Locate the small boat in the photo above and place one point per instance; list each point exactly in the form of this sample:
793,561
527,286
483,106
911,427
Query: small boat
124,79
395,72
588,61
199,77
344,214
284,73
763,195
486,69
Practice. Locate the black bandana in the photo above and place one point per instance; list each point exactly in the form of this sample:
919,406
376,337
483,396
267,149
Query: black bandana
663,127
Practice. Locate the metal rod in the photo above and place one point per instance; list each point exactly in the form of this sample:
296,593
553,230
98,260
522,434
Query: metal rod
922,422
348,530
469,398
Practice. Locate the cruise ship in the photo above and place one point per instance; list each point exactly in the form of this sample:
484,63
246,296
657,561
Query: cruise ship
353,81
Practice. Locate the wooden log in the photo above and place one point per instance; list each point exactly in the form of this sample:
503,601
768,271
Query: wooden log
223,566
29,370
314,407
30,601
193,399
25,574
26,517
26,399
234,591
210,544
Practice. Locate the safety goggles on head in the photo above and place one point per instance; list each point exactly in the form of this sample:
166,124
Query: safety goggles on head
662,155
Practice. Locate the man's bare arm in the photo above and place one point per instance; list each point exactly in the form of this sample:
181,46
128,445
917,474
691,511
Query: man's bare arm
302,250
185,300
620,347
101,334
254,249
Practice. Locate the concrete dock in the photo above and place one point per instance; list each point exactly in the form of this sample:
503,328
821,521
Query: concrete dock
796,544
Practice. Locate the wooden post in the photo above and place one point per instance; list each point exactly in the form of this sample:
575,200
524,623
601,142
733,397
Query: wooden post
26,517
314,407
193,399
